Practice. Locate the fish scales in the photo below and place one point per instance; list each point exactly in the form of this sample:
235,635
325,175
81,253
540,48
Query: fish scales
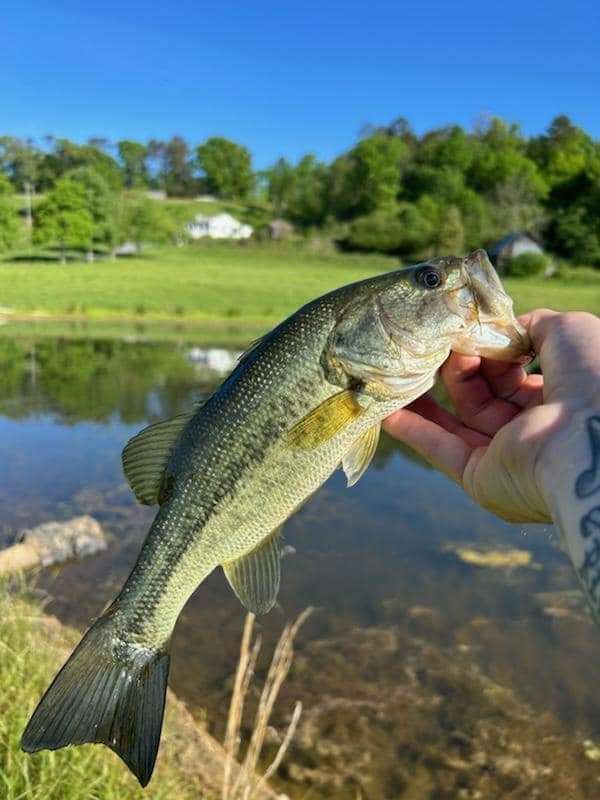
237,480
309,397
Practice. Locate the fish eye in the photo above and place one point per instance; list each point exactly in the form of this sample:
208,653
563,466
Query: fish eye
429,278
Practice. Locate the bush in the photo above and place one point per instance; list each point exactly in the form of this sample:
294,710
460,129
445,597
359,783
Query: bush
527,264
379,230
402,229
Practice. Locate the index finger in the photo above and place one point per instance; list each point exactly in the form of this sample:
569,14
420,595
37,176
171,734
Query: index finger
476,400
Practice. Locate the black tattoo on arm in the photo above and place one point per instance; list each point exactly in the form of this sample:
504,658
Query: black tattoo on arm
587,484
589,481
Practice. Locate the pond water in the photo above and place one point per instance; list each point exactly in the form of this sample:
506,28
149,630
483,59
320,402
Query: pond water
381,557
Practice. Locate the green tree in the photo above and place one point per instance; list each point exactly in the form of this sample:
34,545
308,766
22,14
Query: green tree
145,221
575,234
155,163
450,234
368,176
62,218
177,171
476,219
133,160
515,206
20,159
446,182
574,203
103,206
562,152
449,148
375,176
9,225
499,155
404,229
280,185
65,155
307,205
227,167
341,202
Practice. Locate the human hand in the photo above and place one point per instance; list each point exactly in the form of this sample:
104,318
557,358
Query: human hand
512,429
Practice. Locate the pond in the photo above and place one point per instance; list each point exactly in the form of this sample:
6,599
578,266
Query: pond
382,563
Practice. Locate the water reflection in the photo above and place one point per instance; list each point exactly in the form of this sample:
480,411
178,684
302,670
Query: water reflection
374,560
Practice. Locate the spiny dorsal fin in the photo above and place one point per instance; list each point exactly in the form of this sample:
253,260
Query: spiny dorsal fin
358,458
145,457
327,419
255,577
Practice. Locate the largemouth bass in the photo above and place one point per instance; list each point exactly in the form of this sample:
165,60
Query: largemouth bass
306,398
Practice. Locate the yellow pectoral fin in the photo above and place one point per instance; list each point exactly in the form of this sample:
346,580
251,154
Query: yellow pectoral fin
325,421
358,458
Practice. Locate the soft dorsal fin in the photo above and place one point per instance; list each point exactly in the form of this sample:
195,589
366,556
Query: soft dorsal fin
145,457
327,419
358,458
255,577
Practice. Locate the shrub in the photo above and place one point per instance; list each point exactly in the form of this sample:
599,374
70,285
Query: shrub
527,264
404,228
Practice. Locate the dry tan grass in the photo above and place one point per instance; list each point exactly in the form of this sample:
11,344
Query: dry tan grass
247,783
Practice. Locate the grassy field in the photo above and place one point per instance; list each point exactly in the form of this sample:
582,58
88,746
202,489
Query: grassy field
32,647
246,286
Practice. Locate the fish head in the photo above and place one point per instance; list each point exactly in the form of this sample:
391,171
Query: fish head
492,330
399,328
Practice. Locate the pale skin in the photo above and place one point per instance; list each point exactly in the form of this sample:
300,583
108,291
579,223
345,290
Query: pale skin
525,447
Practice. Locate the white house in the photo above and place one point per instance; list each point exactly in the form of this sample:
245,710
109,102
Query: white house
221,226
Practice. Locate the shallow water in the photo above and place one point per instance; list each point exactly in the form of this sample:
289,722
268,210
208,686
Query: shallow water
381,556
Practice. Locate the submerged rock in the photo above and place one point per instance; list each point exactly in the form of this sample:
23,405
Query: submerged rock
493,558
53,543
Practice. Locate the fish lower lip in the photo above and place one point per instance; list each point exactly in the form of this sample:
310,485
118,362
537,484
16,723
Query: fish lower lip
511,339
521,342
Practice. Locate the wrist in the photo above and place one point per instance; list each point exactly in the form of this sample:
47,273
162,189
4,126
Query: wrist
559,461
570,476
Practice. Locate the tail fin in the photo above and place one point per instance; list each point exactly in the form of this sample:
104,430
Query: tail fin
108,692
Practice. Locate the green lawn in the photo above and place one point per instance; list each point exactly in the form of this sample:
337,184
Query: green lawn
32,647
250,285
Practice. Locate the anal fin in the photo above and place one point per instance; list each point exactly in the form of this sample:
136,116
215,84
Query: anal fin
255,577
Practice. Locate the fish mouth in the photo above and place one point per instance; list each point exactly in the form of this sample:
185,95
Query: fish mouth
491,329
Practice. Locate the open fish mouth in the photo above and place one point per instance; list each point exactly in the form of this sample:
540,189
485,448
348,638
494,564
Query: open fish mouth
491,328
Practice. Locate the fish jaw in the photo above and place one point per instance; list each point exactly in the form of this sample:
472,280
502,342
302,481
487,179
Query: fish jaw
491,329
499,339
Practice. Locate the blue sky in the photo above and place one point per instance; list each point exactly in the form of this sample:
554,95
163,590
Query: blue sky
290,77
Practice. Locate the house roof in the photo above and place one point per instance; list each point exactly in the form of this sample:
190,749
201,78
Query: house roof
224,217
511,238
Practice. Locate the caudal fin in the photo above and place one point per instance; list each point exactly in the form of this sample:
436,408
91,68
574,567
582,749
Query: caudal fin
108,692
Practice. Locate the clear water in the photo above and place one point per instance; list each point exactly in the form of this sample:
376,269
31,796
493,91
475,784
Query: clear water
367,558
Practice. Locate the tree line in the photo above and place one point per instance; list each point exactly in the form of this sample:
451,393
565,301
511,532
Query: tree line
446,191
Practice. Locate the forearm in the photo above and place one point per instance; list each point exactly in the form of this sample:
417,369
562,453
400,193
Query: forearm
570,477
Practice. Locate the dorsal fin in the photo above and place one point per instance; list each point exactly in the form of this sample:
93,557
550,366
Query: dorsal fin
145,456
255,577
